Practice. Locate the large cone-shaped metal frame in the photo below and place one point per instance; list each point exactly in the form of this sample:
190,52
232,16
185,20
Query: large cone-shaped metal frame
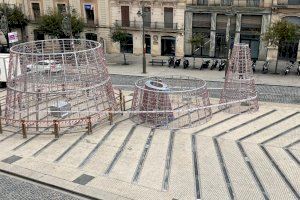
239,93
63,80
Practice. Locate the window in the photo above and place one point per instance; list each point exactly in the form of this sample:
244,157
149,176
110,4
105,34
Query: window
125,16
89,13
202,2
168,17
253,3
227,2
147,17
61,8
36,10
294,2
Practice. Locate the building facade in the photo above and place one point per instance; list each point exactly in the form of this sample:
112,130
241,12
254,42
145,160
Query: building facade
170,24
93,12
163,23
224,22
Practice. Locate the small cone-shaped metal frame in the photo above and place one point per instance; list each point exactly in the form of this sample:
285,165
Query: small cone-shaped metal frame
170,102
239,93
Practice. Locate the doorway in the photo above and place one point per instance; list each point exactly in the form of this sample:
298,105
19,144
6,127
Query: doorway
148,43
253,42
91,36
127,46
168,46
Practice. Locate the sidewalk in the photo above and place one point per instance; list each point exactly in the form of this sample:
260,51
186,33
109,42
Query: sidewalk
115,66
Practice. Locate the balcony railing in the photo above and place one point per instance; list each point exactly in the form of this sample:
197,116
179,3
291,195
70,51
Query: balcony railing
91,23
152,25
288,2
245,3
239,3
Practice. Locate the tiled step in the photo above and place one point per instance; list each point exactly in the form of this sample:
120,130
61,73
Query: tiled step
267,173
182,168
241,176
126,165
109,148
213,185
154,165
289,168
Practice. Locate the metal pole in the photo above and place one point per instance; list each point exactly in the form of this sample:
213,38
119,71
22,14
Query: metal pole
144,50
228,42
70,20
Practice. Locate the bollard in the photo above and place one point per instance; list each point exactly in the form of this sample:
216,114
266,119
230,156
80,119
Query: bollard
24,129
55,125
124,103
89,125
110,117
121,99
1,131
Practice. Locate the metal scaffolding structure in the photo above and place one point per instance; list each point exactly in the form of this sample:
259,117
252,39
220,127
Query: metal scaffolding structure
61,81
170,102
239,83
65,82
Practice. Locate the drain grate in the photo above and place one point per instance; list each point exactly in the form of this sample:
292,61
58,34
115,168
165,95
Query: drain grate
11,159
83,179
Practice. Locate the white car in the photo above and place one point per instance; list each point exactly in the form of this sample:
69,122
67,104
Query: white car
45,66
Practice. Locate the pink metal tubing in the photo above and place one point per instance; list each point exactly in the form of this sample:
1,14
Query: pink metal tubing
164,96
239,82
58,80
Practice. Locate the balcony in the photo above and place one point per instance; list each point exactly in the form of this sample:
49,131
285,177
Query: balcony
238,3
288,3
148,25
33,18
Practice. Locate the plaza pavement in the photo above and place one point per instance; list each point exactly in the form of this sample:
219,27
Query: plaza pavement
248,156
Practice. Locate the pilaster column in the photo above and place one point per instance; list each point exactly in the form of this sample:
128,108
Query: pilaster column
213,27
237,35
188,32
263,45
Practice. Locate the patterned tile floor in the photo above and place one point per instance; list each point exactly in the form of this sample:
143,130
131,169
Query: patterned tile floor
249,156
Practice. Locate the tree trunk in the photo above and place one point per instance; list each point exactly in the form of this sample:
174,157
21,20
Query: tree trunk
125,63
277,61
194,60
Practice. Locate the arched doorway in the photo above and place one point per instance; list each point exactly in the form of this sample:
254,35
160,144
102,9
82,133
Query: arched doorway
91,36
288,50
148,43
168,46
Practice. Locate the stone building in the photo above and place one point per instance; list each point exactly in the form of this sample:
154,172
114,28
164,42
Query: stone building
163,23
94,13
224,22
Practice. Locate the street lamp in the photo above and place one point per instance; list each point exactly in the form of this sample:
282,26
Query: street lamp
142,14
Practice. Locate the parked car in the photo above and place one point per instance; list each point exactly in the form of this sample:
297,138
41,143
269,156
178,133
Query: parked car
45,66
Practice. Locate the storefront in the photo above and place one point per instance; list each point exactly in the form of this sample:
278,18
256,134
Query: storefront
250,33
